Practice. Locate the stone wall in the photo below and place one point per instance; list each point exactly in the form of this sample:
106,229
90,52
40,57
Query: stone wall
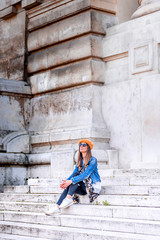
13,49
60,47
68,71
14,138
131,91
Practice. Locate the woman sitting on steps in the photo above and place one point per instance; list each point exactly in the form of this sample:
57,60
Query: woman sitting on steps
84,180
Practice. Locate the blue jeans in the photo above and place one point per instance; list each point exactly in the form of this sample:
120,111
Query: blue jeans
78,188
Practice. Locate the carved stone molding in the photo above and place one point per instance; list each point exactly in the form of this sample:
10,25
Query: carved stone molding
8,8
8,12
146,7
141,57
30,3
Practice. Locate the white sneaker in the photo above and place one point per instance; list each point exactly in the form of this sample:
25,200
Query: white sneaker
53,210
66,203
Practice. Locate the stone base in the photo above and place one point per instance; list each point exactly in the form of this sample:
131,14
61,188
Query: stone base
147,9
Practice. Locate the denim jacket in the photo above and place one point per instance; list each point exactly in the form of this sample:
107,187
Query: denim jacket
91,171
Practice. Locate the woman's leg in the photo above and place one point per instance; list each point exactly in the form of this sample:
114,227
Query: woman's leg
72,189
81,189
62,197
68,192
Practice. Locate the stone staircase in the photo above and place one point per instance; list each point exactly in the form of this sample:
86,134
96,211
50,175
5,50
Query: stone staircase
128,208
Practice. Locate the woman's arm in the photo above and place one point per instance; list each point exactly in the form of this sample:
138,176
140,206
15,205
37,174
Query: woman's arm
87,172
75,170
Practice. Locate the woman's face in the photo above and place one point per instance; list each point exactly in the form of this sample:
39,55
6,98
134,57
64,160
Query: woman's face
83,147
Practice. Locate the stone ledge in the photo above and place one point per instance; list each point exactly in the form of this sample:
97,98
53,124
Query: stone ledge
71,135
46,6
27,160
83,23
13,159
8,12
39,159
13,86
5,4
65,53
30,3
70,9
69,76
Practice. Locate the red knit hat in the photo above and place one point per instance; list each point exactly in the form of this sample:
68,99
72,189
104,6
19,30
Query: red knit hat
86,141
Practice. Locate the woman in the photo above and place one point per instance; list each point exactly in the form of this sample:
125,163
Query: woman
84,179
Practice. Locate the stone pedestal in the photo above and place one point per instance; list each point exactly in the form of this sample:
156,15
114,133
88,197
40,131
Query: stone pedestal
147,7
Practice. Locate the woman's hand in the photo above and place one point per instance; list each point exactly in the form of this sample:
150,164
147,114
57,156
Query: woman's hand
65,184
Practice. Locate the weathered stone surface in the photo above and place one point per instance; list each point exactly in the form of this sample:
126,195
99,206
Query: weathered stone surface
14,112
39,159
10,136
60,109
19,87
19,145
150,119
13,159
141,57
70,9
67,233
100,223
16,66
16,189
143,180
74,74
83,23
12,175
70,135
147,7
7,3
87,46
39,171
120,43
30,3
53,182
126,107
132,79
12,51
61,158
7,12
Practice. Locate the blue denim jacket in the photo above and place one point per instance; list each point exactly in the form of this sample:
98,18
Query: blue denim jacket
91,171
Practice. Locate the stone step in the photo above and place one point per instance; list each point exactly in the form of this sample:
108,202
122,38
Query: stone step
4,236
16,189
116,190
130,172
141,213
106,181
44,182
32,189
145,181
149,173
118,200
68,233
25,206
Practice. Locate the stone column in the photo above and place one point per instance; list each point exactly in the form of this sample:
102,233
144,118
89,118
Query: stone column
66,72
147,7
